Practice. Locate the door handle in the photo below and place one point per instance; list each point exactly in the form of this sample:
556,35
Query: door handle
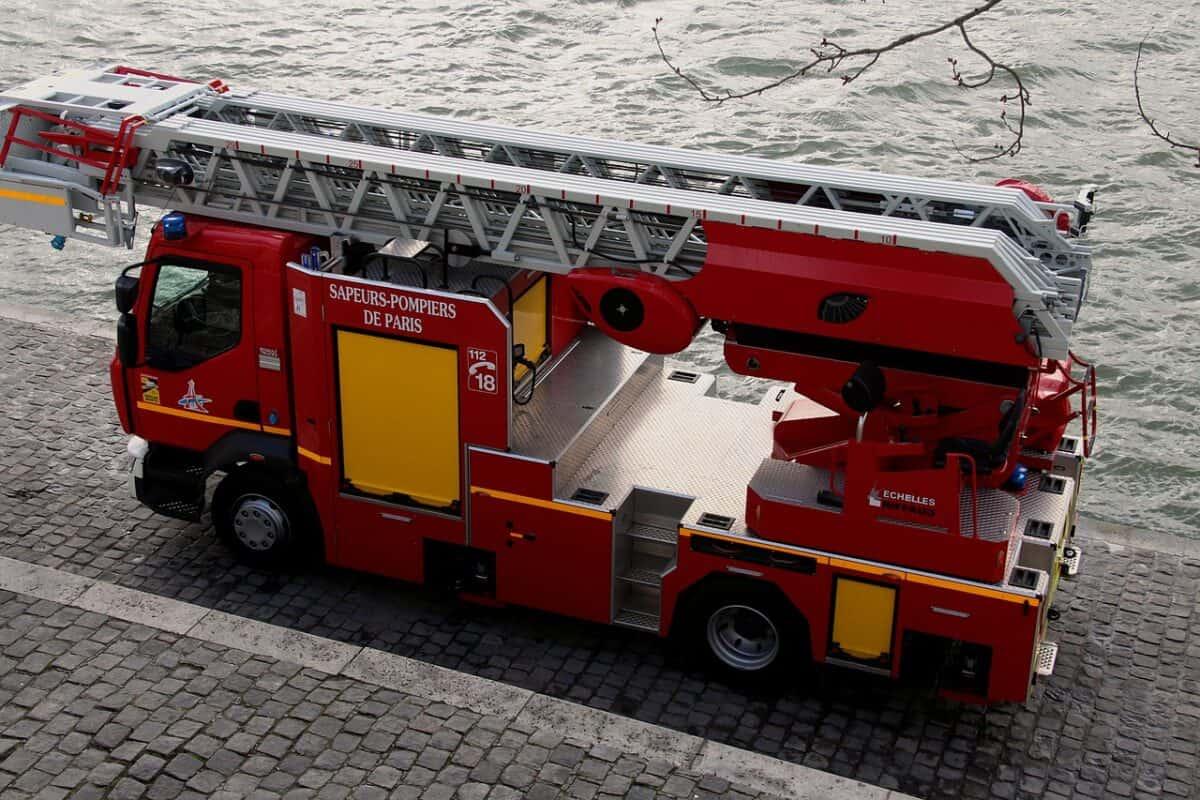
247,411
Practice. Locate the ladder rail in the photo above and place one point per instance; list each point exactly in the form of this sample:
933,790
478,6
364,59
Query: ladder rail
437,184
862,192
546,201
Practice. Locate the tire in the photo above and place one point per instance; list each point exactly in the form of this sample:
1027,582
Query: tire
261,519
748,635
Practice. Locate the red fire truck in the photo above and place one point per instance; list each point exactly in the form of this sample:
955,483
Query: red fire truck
434,350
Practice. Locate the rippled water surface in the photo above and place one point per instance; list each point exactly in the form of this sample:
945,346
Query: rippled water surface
591,68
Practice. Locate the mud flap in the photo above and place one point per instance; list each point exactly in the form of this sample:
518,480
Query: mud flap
170,482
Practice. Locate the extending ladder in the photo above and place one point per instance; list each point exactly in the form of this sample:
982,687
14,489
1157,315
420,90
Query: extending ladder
542,201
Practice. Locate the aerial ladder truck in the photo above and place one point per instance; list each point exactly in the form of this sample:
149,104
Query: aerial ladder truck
434,350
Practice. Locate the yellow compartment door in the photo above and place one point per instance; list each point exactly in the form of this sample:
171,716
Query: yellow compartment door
399,416
863,617
529,324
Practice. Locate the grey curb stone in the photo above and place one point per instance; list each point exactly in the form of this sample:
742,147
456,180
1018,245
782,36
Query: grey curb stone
140,607
574,721
438,683
273,641
780,777
43,583
609,735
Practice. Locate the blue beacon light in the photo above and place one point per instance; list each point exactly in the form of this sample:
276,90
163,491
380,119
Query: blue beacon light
174,226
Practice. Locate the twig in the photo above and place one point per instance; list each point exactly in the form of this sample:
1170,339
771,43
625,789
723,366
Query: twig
1137,93
832,55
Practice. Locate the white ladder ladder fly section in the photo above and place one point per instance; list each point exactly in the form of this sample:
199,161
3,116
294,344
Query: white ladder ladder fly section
542,201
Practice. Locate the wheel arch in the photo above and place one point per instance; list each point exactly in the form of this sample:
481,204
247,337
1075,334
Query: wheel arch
265,450
716,584
293,489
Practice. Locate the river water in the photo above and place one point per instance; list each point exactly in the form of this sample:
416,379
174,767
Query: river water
591,68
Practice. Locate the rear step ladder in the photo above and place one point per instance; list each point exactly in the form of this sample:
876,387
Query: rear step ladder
645,543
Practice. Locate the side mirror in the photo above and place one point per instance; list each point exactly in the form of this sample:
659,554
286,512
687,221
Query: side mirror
126,292
127,287
127,340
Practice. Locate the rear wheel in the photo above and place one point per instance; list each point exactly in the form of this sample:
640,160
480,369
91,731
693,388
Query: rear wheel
261,518
742,638
748,634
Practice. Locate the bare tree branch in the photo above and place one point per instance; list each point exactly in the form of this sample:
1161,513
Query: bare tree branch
831,56
1137,93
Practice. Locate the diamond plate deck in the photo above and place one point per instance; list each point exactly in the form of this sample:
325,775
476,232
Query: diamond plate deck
674,439
575,393
1046,507
798,484
997,510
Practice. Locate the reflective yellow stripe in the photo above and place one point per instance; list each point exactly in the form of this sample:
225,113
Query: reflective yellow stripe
179,412
277,431
33,197
867,569
795,551
870,569
309,454
978,590
533,501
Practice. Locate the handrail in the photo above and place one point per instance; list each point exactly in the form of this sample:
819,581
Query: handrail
1088,412
974,489
1086,388
96,147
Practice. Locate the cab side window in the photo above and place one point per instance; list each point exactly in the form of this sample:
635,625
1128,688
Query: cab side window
196,315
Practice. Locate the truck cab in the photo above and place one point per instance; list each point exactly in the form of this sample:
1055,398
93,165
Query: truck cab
201,373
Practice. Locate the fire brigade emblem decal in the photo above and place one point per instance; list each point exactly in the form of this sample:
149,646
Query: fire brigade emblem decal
193,400
906,502
481,371
150,389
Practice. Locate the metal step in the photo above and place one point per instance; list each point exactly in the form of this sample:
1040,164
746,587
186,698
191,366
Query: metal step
1047,654
640,620
652,533
1072,556
642,575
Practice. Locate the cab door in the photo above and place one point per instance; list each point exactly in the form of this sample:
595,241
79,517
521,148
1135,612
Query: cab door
196,378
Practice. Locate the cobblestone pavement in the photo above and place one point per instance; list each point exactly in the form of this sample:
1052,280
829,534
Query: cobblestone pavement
94,707
1120,718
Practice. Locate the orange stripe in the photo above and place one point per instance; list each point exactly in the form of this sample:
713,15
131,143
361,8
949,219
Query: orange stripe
33,197
533,501
179,412
309,454
761,545
870,569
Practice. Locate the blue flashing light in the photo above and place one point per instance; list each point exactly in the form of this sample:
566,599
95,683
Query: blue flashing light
174,226
58,242
1016,480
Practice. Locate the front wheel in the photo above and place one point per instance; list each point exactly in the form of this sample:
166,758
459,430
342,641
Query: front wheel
260,518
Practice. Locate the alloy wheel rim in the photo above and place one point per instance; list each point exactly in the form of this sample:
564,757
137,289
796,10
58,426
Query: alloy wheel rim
259,523
743,637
